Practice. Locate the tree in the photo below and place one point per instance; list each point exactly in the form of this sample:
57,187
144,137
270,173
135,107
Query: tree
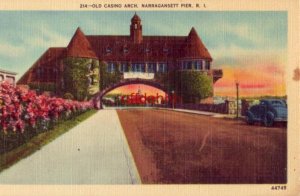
75,76
193,85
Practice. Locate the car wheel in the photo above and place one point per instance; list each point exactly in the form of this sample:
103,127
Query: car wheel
269,119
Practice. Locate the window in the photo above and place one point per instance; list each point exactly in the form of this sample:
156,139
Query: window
207,65
162,67
134,67
198,65
138,67
125,50
189,64
151,67
10,79
277,103
147,50
110,67
143,68
263,103
135,26
108,50
123,67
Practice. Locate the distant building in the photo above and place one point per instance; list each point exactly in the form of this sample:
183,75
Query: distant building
8,76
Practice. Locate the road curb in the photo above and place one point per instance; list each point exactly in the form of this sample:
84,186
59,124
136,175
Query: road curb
134,174
215,115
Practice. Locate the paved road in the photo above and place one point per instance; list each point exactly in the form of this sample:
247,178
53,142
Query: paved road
180,147
94,152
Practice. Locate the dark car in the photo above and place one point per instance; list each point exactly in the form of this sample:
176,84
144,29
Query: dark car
267,112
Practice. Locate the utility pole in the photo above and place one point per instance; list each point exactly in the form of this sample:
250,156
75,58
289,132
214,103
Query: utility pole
237,99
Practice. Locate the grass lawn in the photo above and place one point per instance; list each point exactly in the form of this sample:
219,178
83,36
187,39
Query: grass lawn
37,142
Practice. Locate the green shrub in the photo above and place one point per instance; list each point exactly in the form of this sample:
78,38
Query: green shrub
107,79
194,85
76,77
68,96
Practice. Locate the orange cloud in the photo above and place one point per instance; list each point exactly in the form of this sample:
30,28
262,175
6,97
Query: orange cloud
254,80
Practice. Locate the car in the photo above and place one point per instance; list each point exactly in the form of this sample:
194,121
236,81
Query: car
267,112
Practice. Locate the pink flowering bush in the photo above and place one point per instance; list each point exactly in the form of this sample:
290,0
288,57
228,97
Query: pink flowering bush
23,111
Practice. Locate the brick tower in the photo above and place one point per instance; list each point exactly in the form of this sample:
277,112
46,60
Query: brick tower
136,29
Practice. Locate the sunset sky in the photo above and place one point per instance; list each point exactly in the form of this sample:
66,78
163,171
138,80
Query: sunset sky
250,47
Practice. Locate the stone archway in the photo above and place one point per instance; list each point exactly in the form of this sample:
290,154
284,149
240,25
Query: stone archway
97,100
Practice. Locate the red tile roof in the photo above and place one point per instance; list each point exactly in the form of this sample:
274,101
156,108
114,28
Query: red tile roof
152,48
50,58
194,48
121,48
79,46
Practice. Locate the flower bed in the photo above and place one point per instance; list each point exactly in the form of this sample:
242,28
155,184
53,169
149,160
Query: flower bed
24,114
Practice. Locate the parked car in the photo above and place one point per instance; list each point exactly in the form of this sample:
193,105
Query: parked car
267,112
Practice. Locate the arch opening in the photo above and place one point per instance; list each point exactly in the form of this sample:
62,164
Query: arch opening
131,95
142,93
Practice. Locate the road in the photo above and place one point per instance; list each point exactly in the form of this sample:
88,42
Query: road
94,152
176,147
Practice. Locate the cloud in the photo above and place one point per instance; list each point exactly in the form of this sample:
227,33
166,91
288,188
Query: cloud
11,51
235,52
45,37
247,33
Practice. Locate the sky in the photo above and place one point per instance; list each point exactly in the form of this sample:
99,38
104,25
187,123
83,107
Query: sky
250,46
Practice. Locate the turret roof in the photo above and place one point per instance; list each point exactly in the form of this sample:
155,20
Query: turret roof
194,48
79,46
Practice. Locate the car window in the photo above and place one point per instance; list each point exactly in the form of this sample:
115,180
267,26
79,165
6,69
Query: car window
277,103
263,103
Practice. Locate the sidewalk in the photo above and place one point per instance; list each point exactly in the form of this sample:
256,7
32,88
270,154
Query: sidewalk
94,152
216,115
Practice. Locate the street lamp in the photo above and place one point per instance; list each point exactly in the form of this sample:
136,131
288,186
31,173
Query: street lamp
173,103
237,99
